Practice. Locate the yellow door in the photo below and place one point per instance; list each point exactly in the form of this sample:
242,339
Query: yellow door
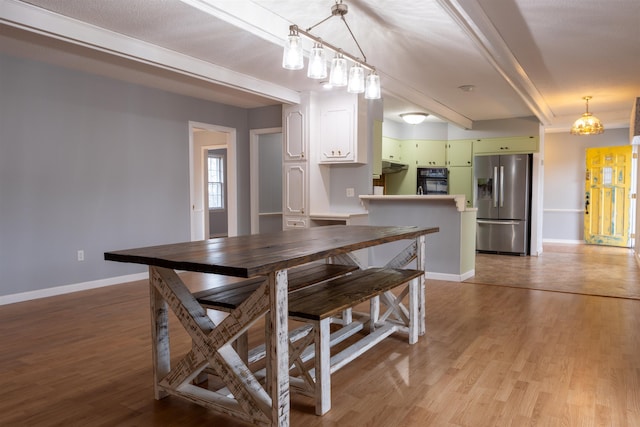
607,196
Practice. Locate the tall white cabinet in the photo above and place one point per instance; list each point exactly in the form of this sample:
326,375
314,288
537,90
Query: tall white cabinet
295,165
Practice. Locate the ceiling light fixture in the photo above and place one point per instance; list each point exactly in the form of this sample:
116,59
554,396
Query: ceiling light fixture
414,118
587,124
340,75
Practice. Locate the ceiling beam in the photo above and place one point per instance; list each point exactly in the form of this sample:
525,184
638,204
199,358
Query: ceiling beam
30,18
477,25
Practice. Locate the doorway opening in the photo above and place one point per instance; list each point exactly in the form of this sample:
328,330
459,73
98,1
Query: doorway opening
266,180
202,138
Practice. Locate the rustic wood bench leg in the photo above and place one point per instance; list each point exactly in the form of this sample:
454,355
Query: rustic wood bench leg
374,312
322,365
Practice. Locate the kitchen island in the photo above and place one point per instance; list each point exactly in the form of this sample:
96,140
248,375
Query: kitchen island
451,252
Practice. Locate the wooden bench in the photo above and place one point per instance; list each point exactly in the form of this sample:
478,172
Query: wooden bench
228,297
317,304
318,293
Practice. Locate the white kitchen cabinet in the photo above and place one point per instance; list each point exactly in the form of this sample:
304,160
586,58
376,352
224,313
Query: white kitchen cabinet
295,189
295,135
518,144
344,130
295,167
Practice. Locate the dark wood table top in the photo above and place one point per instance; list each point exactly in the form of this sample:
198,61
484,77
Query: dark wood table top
251,255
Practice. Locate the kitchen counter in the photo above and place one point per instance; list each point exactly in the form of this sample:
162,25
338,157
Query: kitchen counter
451,252
458,199
335,218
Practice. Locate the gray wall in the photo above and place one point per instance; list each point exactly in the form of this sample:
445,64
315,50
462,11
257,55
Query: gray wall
96,164
564,166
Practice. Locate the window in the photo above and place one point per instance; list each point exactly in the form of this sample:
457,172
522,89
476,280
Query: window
216,181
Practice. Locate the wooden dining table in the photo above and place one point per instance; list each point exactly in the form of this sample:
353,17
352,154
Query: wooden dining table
268,255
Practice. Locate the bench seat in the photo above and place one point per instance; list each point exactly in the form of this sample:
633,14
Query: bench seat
327,299
316,305
229,297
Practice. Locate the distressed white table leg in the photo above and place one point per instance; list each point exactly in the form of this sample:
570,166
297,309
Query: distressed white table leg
278,348
414,312
159,339
322,366
421,260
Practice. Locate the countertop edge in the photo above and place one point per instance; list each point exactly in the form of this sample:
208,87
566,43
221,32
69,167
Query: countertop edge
458,199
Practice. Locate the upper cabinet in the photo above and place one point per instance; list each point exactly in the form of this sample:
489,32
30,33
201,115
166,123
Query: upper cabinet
430,153
460,152
518,144
344,129
391,149
295,135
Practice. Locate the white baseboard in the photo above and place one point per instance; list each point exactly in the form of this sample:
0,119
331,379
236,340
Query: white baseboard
66,289
450,277
567,241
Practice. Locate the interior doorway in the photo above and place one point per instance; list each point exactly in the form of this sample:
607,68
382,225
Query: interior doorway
266,179
202,138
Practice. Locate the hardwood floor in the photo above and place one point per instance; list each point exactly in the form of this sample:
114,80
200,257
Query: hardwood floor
493,356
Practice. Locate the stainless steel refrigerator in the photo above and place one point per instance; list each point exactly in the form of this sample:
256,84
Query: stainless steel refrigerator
503,188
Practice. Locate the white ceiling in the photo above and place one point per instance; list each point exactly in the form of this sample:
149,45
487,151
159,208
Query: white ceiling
524,57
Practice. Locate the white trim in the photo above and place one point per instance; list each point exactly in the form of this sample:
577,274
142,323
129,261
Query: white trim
67,289
564,210
567,241
450,277
254,164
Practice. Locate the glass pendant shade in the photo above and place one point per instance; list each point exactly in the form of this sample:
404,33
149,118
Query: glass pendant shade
356,79
292,58
339,71
587,124
317,68
372,89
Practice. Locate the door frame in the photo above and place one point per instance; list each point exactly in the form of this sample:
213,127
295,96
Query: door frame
254,165
196,171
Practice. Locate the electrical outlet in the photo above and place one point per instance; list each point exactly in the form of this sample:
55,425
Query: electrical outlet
80,255
351,192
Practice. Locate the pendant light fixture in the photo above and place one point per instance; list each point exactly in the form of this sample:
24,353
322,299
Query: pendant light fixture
356,79
317,63
292,58
340,74
587,124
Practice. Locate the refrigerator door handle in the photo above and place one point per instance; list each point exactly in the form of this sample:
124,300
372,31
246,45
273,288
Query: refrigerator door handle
486,221
501,186
495,182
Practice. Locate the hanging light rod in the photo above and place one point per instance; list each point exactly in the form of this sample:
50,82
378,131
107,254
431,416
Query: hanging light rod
353,78
294,29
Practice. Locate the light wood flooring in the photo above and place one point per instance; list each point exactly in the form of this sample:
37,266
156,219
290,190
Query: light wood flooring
493,356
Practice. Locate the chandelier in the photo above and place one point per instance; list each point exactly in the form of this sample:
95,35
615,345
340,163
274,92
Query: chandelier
340,74
587,124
